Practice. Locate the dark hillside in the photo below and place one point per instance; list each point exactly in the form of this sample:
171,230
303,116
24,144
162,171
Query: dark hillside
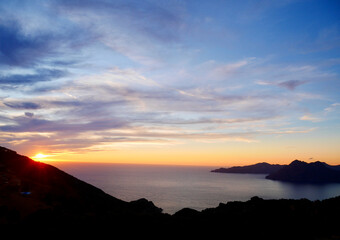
302,172
34,191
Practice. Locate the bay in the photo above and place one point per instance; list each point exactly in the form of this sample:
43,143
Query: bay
175,187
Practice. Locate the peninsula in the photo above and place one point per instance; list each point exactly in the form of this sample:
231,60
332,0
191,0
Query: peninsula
296,172
259,168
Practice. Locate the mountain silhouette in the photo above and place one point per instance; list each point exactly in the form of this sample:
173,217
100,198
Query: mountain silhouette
259,168
36,192
302,172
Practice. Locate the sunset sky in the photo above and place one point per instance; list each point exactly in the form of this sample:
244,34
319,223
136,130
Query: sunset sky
171,82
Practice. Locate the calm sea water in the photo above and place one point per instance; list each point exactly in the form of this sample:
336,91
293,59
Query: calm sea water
175,187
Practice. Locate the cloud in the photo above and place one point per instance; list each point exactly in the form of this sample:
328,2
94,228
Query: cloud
137,30
144,98
40,75
82,137
29,114
159,21
17,49
291,77
231,69
205,120
122,106
332,107
28,124
310,118
119,108
22,105
36,35
290,131
291,84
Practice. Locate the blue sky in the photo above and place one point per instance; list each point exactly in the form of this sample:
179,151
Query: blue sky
115,76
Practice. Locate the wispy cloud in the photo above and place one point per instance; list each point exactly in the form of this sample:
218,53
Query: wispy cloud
332,107
310,118
289,84
40,75
120,101
20,49
22,105
228,69
132,28
29,124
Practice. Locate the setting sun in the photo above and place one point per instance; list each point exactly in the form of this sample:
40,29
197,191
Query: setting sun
39,156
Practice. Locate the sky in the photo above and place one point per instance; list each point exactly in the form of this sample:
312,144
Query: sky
215,83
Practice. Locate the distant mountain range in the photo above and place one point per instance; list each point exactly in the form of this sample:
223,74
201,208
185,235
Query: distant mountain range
295,172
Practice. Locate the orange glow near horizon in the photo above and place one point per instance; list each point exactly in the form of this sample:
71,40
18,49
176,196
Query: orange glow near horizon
40,157
179,155
279,150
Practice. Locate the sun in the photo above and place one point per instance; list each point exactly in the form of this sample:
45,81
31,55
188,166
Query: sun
39,157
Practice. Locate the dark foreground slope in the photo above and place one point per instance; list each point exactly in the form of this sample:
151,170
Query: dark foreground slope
259,168
37,193
302,172
267,219
39,200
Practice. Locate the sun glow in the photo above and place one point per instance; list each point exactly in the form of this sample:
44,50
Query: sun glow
39,157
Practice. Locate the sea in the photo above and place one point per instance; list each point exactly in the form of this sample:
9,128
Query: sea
173,188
